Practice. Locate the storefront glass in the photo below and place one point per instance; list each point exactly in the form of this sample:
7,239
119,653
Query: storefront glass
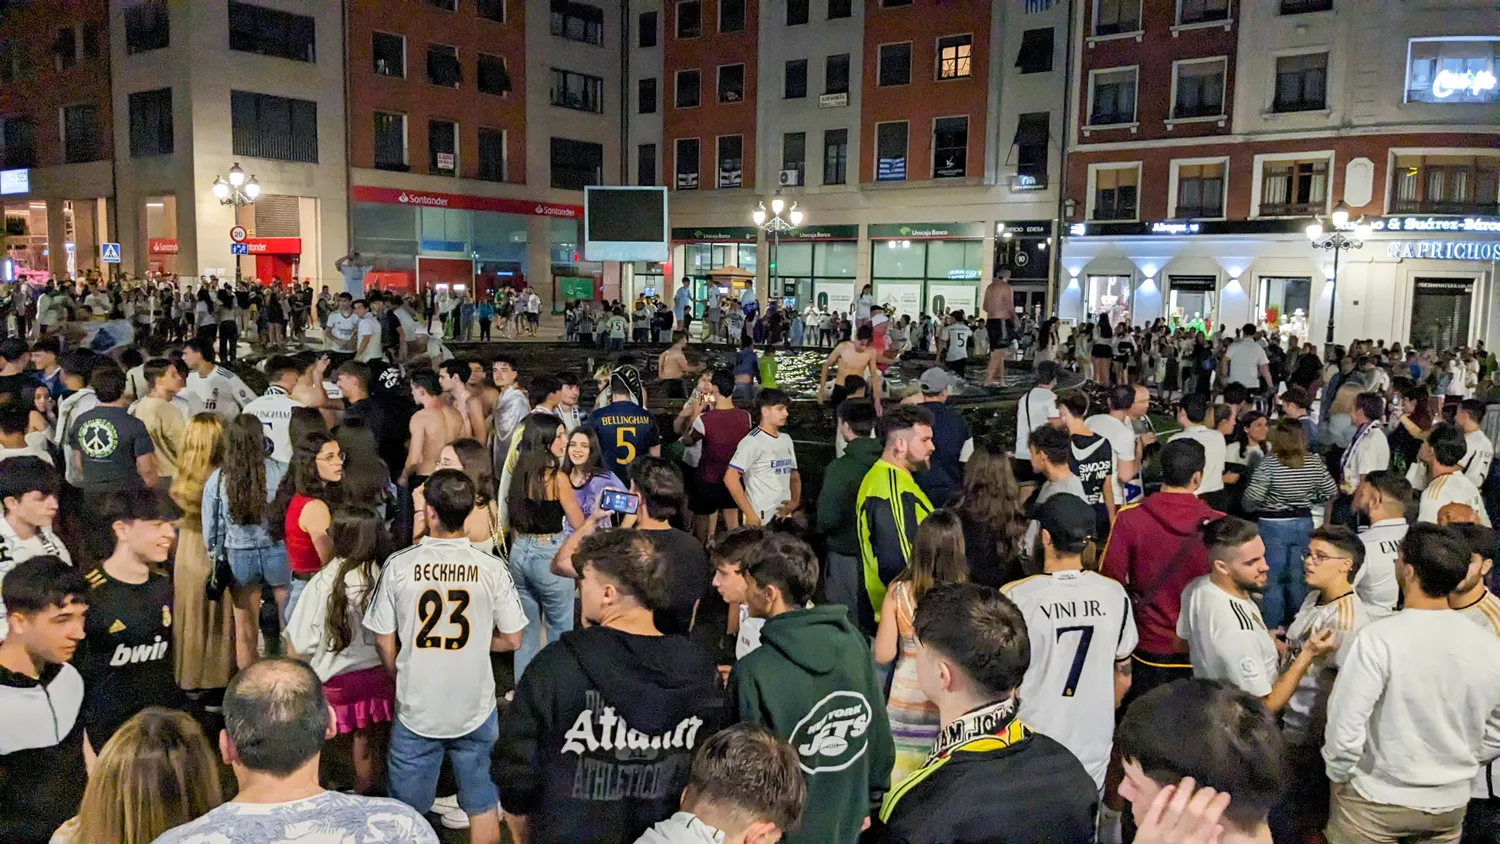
1441,312
1284,304
932,276
1192,302
1109,294
809,273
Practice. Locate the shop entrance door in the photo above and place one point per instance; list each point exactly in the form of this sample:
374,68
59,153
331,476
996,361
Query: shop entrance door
1191,301
1441,312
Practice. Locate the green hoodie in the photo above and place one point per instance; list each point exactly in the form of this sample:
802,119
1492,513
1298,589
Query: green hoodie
813,683
837,516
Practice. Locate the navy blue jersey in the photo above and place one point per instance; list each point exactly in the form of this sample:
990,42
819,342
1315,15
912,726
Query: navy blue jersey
626,431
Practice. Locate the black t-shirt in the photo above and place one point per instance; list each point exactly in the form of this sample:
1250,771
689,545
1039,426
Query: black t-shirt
12,385
690,586
1091,461
126,654
109,440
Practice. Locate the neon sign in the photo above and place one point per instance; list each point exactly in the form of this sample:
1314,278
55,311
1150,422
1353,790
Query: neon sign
1450,82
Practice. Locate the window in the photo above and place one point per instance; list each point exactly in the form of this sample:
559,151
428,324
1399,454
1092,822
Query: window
80,133
731,161
840,9
15,64
890,152
19,137
282,128
151,123
445,5
1294,188
687,89
689,19
492,155
578,21
576,164
955,57
1115,193
836,74
147,27
1200,89
645,165
795,84
732,83
1458,70
492,10
442,66
797,12
1445,184
1033,143
645,96
687,164
1112,17
1112,100
493,78
646,26
1301,82
1200,191
731,15
1298,7
577,91
793,158
270,32
835,156
390,141
1202,11
891,4
442,148
92,40
390,54
895,64
1036,51
65,48
950,147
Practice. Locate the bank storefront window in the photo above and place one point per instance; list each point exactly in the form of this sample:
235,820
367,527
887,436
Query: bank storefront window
812,268
927,267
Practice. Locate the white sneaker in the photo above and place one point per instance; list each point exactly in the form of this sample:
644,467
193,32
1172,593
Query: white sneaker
452,817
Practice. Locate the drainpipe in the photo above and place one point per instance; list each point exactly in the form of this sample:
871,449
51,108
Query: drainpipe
624,92
1062,169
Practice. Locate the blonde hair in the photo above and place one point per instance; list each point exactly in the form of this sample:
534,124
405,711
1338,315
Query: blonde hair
155,773
1287,441
202,452
1343,400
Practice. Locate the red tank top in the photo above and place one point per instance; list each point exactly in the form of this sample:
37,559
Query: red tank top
300,552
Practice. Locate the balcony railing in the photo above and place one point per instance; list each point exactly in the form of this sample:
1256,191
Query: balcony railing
1123,212
1441,206
1291,209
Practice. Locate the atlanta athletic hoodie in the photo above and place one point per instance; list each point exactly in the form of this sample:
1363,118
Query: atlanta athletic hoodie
812,682
41,752
597,744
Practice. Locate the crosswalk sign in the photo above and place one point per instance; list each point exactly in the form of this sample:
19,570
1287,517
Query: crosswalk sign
109,253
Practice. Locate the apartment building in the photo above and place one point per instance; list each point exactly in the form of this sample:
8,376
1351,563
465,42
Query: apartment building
1206,135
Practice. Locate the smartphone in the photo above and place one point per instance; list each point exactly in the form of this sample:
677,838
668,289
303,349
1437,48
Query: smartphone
619,502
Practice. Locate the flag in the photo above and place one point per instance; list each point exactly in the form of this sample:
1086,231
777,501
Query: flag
1038,6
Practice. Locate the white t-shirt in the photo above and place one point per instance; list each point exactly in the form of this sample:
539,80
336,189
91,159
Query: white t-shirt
1080,625
1375,582
369,326
43,541
98,304
1478,454
766,464
956,341
1215,453
68,410
274,410
443,598
1121,445
221,391
749,638
342,331
1245,357
1227,639
1307,709
1452,488
1369,452
307,629
1039,406
1485,612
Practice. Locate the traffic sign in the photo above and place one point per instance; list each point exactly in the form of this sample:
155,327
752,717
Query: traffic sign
109,253
237,234
239,249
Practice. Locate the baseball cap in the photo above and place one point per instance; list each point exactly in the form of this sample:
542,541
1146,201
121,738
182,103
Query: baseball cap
934,381
1068,519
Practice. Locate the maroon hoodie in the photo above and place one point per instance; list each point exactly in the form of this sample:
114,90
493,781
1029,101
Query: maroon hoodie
1154,549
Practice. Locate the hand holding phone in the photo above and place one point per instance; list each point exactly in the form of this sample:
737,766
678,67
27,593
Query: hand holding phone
618,501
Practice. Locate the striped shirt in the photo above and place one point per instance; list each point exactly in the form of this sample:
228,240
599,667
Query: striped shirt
1278,491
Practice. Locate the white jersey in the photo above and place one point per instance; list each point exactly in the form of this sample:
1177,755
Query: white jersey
1485,612
342,331
369,326
749,637
1478,454
1037,409
274,410
68,410
1215,455
221,392
1368,452
1375,582
1452,488
765,463
1307,710
1080,624
443,598
1227,639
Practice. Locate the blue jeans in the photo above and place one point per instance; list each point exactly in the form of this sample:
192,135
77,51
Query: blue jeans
415,761
1286,542
544,595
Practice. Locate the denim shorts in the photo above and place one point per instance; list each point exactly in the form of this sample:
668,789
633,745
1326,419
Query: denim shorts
415,761
252,566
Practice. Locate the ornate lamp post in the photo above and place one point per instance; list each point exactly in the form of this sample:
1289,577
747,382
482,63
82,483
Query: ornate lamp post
236,191
773,224
1336,242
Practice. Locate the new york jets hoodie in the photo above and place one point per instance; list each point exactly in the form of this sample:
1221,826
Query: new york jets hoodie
812,682
41,752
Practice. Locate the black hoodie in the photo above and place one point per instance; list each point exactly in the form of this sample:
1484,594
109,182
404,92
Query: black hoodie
560,759
41,752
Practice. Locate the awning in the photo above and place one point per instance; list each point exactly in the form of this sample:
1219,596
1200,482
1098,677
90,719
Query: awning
1033,129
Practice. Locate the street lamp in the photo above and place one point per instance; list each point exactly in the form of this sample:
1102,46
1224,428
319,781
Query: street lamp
1337,242
774,223
236,191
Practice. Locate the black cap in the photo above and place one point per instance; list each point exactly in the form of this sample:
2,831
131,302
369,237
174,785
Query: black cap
1069,520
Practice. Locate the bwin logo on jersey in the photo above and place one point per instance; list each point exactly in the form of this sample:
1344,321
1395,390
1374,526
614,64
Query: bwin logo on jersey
126,654
832,736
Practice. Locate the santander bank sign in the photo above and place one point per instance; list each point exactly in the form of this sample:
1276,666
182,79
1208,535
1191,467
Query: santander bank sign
430,199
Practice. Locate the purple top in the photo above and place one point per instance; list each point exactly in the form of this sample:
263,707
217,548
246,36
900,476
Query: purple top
589,493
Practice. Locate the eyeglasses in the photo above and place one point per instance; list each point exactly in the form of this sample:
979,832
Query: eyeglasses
336,457
1322,558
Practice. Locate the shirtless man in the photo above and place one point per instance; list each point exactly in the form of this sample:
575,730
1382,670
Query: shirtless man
672,365
453,377
434,425
480,386
1000,315
854,357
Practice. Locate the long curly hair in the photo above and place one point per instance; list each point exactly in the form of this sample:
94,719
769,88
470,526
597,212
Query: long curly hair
361,544
245,469
202,451
990,497
302,478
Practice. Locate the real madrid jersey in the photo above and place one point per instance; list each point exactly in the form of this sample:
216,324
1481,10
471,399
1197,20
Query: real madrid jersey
1375,582
126,654
766,462
1485,612
222,392
1227,639
1305,712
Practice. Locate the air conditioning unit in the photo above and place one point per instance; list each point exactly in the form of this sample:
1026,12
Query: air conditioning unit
791,178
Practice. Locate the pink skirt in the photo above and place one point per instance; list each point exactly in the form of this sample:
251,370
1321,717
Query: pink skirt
361,698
